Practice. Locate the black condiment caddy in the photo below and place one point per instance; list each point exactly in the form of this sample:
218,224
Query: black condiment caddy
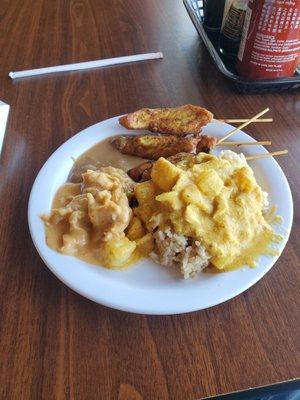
227,67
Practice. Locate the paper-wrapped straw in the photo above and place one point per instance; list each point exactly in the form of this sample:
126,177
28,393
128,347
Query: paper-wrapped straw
85,65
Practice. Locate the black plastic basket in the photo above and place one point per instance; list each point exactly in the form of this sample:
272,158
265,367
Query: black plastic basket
244,85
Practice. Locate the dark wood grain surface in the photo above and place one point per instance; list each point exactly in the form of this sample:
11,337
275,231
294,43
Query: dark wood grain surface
55,344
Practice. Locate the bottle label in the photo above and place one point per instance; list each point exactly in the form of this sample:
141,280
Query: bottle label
244,33
270,45
234,23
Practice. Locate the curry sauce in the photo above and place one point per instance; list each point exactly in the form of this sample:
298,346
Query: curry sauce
213,200
216,201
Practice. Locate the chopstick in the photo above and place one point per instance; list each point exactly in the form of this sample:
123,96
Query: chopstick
85,65
264,155
234,121
261,143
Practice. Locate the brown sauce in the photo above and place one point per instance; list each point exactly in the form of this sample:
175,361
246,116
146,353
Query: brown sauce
72,232
54,232
102,154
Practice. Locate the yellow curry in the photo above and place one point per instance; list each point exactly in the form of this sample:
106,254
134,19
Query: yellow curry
214,200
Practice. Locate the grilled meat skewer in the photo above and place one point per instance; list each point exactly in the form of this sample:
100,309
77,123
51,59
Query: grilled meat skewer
142,172
178,121
152,147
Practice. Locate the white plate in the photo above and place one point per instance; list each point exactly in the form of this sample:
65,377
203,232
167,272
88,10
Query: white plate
146,287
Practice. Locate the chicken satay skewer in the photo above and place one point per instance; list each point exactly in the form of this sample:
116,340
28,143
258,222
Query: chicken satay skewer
243,125
152,147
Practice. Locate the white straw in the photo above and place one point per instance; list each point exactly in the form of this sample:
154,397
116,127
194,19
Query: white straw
84,65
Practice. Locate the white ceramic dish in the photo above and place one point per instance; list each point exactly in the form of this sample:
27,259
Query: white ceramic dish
148,288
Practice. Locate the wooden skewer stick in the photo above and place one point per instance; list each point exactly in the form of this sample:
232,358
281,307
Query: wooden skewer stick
234,121
264,155
243,125
262,143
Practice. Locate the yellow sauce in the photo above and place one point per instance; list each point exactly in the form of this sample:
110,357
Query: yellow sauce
213,200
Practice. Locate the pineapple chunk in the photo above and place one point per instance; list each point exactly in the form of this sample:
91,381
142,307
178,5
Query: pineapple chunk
118,252
144,192
209,183
192,195
135,229
164,174
170,199
145,245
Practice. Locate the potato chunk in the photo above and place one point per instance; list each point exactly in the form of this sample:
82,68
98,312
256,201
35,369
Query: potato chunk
135,229
222,203
145,192
164,174
192,195
170,199
145,245
144,212
118,252
244,179
209,183
192,215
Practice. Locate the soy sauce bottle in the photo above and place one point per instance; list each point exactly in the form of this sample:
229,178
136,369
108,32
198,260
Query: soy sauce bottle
231,32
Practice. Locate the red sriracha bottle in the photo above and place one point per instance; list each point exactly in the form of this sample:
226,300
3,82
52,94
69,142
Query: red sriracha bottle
270,44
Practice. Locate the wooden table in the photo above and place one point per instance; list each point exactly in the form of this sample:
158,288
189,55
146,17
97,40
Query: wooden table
55,344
